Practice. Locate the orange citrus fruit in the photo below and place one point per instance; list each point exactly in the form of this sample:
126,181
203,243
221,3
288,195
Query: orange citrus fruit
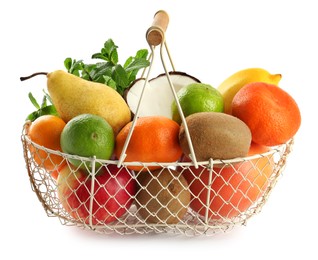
272,115
154,139
46,131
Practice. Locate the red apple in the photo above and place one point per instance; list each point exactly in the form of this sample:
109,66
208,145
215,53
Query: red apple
113,191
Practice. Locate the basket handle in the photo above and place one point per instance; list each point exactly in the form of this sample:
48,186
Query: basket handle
155,33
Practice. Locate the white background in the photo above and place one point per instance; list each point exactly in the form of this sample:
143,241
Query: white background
208,39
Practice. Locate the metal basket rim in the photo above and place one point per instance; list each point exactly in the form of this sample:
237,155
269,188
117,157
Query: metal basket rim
272,150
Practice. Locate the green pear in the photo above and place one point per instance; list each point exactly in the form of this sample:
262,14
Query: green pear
72,96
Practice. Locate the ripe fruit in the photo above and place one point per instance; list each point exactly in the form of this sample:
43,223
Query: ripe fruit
215,135
229,87
270,112
72,96
112,196
46,131
154,139
163,197
88,135
197,97
157,95
232,189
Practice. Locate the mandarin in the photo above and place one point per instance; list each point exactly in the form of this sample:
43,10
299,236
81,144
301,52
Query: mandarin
154,139
272,115
46,131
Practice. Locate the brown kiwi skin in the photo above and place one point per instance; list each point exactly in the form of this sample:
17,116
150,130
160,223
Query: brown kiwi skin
163,197
215,135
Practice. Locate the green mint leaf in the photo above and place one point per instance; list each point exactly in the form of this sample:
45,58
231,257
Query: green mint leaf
119,75
33,101
73,66
49,110
114,57
134,64
34,115
142,54
102,69
87,70
134,67
128,61
44,103
137,64
108,52
68,63
47,96
99,56
110,82
132,75
109,47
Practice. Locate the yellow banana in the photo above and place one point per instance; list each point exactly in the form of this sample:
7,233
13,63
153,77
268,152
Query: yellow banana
229,87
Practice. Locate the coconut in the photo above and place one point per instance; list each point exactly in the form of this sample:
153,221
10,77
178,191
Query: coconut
158,96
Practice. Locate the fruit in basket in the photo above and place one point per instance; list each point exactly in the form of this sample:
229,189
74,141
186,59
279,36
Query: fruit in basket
230,86
88,135
233,189
272,115
215,135
157,97
114,189
72,96
197,97
154,139
46,131
163,197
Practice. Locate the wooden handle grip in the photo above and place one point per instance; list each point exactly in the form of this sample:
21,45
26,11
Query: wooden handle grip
155,34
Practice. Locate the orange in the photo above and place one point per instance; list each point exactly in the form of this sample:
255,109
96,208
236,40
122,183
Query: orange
46,131
272,115
154,139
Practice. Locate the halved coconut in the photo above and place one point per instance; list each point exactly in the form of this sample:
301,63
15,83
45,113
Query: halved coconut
158,96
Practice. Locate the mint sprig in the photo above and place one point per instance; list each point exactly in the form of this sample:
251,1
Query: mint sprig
108,71
43,109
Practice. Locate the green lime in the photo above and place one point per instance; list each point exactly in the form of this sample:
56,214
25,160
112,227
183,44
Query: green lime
197,97
88,135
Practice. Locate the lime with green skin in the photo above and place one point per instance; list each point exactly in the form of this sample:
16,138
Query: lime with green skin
88,135
197,97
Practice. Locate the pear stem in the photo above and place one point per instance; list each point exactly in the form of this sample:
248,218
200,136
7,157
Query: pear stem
32,75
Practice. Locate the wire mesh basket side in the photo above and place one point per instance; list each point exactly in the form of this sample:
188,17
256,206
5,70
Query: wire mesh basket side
221,194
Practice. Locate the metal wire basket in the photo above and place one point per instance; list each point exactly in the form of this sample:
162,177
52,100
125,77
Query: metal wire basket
195,197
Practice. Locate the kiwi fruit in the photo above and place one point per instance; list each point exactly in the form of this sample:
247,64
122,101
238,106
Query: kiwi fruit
215,135
163,197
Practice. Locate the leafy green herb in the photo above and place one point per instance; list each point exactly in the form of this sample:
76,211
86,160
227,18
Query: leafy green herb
43,109
108,71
